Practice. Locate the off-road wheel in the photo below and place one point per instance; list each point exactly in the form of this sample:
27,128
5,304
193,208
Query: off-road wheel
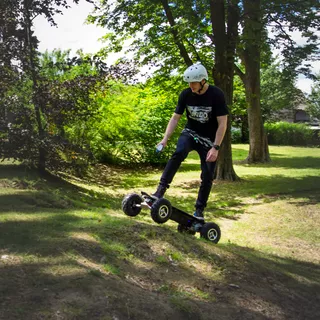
211,232
161,210
131,204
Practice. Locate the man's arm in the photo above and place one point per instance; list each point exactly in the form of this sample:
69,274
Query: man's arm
222,127
172,124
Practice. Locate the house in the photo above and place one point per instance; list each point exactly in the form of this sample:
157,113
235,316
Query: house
299,114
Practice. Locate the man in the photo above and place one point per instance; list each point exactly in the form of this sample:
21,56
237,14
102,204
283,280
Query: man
207,122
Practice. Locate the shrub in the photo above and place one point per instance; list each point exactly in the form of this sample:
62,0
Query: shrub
289,134
236,136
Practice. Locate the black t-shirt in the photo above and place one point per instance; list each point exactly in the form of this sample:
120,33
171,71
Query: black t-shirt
203,110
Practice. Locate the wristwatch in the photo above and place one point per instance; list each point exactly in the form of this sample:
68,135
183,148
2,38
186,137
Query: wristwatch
216,146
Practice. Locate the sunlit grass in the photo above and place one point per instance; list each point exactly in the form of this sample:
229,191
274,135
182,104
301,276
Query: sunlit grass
69,235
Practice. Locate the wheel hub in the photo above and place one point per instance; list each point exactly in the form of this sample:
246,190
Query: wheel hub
212,234
163,211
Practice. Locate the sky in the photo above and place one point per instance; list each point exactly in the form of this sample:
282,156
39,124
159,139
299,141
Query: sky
73,33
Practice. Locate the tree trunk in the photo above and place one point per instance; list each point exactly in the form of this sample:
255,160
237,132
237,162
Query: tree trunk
244,129
252,35
31,69
223,70
225,44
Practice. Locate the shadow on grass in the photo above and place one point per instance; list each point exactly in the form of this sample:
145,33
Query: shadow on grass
280,266
56,263
22,177
60,261
231,199
36,201
265,186
226,199
293,163
10,171
284,278
53,271
23,189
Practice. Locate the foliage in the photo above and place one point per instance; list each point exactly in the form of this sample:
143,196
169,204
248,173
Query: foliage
170,36
130,122
156,105
73,104
286,17
27,123
66,90
113,124
314,99
161,31
239,105
236,136
161,27
278,92
289,134
239,131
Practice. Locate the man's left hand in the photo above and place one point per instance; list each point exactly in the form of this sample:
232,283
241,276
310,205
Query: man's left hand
212,155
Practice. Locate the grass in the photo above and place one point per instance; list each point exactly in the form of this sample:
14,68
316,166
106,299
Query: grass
67,250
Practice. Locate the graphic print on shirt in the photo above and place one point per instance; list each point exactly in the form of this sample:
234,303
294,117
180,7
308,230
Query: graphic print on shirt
198,113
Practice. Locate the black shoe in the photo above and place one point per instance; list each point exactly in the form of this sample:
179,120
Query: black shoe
199,214
161,190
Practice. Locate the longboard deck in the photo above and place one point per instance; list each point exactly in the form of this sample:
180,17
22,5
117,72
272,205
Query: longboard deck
178,215
182,217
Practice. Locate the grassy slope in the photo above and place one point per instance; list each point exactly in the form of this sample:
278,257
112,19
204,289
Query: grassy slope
68,252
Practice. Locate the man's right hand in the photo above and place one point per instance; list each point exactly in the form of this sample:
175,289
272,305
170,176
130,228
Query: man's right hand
170,129
161,145
164,142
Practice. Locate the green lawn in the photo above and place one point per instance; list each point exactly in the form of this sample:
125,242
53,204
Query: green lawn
67,251
291,170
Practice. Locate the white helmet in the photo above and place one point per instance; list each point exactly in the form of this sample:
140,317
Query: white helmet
195,73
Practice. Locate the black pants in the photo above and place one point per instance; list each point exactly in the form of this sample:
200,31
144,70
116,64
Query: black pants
187,143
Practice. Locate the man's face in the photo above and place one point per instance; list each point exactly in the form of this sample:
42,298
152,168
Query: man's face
195,86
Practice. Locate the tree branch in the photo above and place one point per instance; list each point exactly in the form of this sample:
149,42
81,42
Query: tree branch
239,73
174,32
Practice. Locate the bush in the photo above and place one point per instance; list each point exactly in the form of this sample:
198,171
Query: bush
289,134
236,136
132,121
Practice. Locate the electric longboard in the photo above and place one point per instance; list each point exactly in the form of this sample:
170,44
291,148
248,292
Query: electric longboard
161,211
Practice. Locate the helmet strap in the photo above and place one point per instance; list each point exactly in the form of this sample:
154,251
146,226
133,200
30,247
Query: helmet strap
201,85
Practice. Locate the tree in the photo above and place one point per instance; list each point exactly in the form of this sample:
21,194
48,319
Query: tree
171,42
278,92
239,110
198,27
286,17
225,32
10,40
250,54
314,99
280,15
42,105
17,28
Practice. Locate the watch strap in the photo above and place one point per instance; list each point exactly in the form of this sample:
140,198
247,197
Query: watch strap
216,146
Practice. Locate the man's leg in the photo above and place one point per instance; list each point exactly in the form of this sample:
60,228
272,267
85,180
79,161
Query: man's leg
207,173
184,146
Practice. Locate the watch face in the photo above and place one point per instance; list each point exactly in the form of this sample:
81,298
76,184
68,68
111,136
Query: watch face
216,147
